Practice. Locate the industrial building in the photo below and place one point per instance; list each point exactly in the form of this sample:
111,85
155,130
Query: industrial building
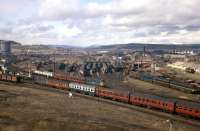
6,48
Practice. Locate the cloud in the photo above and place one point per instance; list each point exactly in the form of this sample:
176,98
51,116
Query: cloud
59,9
101,22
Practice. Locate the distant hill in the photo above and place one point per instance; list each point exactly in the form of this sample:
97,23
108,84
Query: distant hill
140,46
62,46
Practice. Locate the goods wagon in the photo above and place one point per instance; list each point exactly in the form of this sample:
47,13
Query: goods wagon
195,85
190,70
93,81
167,82
42,80
15,79
4,77
146,77
11,78
82,88
162,81
183,88
153,101
111,94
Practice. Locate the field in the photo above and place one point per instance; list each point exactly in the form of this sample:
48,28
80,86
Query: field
23,109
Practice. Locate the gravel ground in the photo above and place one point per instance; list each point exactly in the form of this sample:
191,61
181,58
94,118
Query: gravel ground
24,109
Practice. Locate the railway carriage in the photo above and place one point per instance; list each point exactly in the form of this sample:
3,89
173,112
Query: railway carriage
43,73
69,78
58,84
153,101
82,88
188,108
114,95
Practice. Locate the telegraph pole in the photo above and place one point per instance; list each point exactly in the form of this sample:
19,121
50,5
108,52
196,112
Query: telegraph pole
54,63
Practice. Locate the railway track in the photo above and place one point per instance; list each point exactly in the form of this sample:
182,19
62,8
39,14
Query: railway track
172,117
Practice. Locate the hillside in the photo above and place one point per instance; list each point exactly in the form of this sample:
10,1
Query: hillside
140,46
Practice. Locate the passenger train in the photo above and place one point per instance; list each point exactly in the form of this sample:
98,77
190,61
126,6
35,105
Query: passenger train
171,105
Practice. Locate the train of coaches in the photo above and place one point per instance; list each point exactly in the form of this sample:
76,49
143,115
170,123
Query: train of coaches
184,86
171,105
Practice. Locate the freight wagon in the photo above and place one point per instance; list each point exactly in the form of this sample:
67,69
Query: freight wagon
184,87
94,81
167,82
42,80
10,78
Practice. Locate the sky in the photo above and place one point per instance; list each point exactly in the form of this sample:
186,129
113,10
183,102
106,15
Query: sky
100,22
